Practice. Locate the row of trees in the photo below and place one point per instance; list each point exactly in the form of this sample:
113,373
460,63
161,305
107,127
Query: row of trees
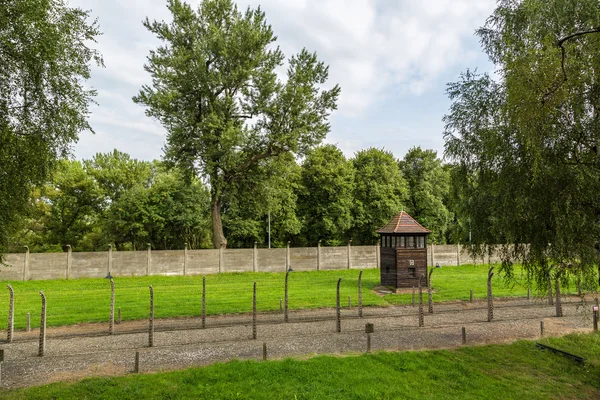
114,199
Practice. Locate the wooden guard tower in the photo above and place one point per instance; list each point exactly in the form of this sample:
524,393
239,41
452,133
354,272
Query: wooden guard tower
403,252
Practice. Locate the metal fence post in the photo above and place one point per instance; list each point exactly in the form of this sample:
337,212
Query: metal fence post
490,299
204,302
285,297
338,308
42,346
254,312
430,292
111,326
151,320
11,315
360,310
421,316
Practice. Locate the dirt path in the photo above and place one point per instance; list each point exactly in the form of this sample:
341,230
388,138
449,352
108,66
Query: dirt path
86,350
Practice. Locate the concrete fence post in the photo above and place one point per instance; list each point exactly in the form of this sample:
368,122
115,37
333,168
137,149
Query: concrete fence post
432,255
559,310
254,257
26,264
350,254
111,323
148,259
11,315
254,312
185,259
457,254
377,256
285,297
42,345
338,308
421,316
28,326
69,260
319,255
204,302
221,257
109,267
550,300
360,311
430,293
151,319
490,297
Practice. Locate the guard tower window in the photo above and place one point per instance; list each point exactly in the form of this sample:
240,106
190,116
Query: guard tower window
412,272
420,242
394,242
411,241
402,244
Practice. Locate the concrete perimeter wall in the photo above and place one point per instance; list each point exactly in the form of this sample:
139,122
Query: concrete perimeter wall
72,265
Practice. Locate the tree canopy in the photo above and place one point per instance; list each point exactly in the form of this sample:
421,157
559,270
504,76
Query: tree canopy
216,90
527,141
44,105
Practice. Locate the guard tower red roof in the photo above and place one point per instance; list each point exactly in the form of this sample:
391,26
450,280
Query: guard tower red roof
403,223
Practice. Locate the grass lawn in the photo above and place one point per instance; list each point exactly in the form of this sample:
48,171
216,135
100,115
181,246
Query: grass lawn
88,300
515,371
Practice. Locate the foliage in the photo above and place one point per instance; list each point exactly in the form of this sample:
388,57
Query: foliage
44,61
526,143
216,91
429,186
380,192
507,371
325,200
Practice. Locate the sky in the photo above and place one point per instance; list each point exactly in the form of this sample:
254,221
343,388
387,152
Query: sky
392,59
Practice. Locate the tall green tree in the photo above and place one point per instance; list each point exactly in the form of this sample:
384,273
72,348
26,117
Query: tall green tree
429,185
528,141
326,196
44,61
216,91
380,192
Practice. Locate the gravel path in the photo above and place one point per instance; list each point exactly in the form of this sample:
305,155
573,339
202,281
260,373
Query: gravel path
87,350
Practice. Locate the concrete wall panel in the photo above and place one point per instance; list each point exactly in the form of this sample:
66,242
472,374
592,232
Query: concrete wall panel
89,265
203,262
271,260
13,270
238,260
303,258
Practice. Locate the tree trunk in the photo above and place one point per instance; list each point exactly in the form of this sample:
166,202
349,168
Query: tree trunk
217,225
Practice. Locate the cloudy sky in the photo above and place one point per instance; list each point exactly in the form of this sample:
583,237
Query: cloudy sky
392,59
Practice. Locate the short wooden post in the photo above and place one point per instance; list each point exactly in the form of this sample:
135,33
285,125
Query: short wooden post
11,315
185,257
464,335
254,312
542,328
204,302
490,297
470,295
28,327
136,366
559,310
151,320
360,311
421,316
413,297
349,302
595,318
264,351
148,259
111,326
338,308
119,315
281,305
42,346
26,264
1,355
285,297
369,328
69,261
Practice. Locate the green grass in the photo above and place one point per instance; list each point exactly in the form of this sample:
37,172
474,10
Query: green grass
88,300
516,371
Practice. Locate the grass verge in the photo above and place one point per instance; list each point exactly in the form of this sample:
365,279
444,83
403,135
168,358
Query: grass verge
515,371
